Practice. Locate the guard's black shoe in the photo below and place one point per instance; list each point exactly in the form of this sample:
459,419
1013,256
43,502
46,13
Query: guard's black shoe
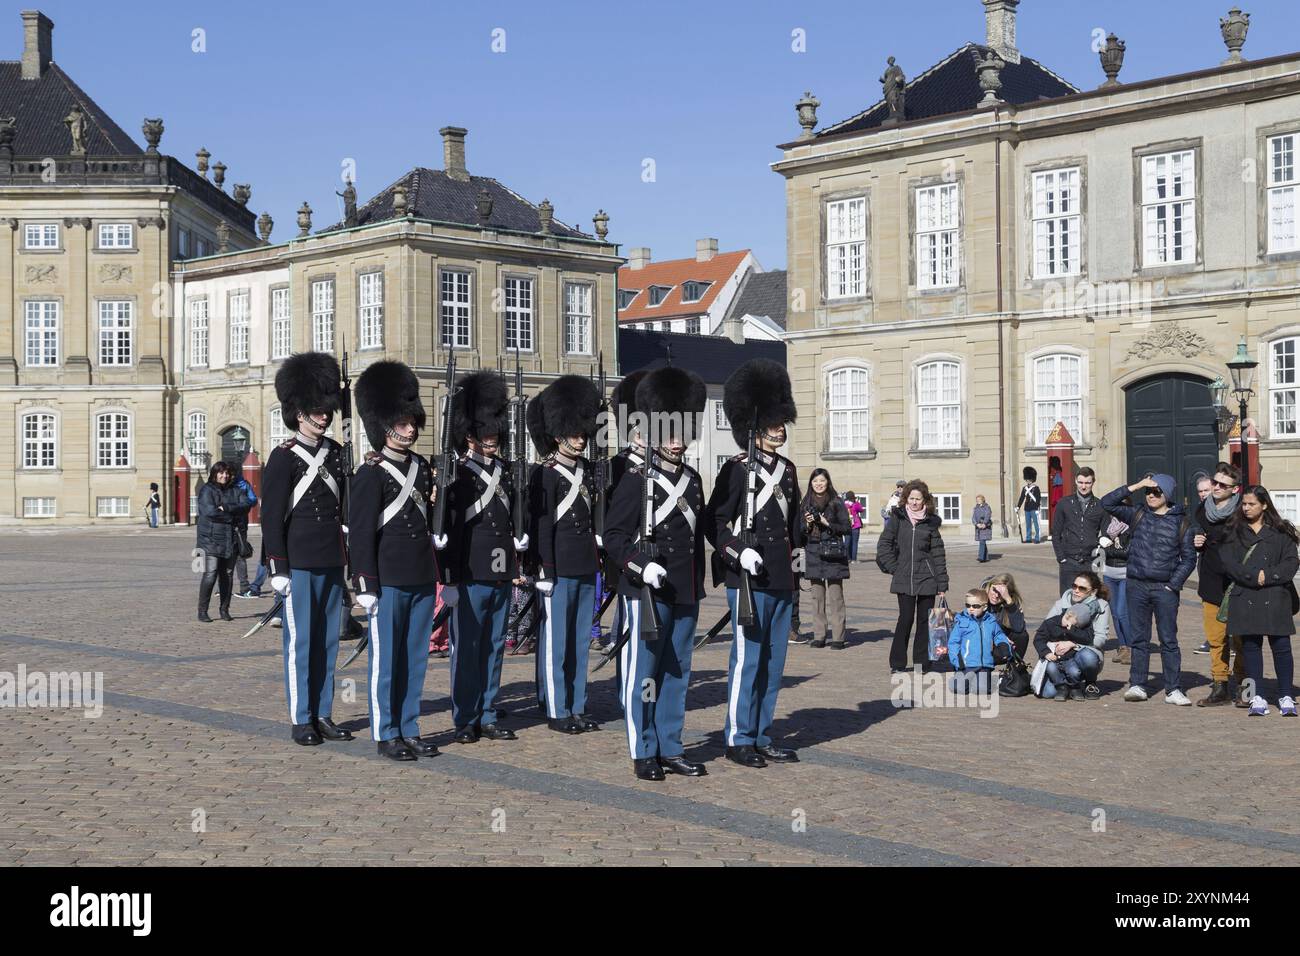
680,765
563,725
777,754
745,756
419,747
395,749
585,723
330,730
497,732
466,735
647,769
306,735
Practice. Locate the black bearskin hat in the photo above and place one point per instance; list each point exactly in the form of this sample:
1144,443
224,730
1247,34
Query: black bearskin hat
1030,473
671,391
759,388
307,382
568,406
480,407
624,392
387,392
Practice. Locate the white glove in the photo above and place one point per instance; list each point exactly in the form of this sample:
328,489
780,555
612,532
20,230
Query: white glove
439,542
654,574
521,544
545,587
1104,541
367,601
599,542
345,529
280,584
450,595
750,560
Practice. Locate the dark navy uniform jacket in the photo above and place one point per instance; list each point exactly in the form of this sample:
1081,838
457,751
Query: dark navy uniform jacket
679,549
565,544
480,545
309,534
777,530
400,552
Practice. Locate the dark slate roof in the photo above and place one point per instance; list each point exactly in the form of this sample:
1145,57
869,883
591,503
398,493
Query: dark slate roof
712,357
761,293
432,194
39,107
953,86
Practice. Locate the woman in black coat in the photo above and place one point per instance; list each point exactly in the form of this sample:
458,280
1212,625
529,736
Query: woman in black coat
825,520
911,551
219,505
1260,559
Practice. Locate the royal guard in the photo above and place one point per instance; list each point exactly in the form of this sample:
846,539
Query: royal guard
302,534
482,556
655,533
753,524
561,420
394,574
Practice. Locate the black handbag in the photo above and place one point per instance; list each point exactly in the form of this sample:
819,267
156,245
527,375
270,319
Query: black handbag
832,548
245,549
1015,678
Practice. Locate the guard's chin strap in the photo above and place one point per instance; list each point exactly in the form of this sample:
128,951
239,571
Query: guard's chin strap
567,448
402,440
668,457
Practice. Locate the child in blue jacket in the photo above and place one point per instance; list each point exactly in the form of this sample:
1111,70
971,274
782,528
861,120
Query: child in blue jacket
974,634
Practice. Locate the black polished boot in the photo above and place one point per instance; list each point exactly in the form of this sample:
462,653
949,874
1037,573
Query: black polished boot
206,584
330,730
745,756
585,723
680,765
777,754
1220,694
497,732
419,747
647,769
305,734
223,587
466,735
395,749
562,725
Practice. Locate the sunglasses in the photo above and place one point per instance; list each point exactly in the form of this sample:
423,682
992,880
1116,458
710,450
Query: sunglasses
976,607
1219,484
1080,587
1155,493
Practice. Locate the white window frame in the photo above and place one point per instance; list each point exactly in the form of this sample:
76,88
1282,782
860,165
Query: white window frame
1287,504
950,502
578,316
650,295
196,437
698,285
42,323
116,235
518,313
41,235
198,312
693,325
631,295
455,308
240,312
40,444
720,418
940,411
35,507
1283,185
112,437
1284,387
846,417
183,244
322,315
1060,400
938,235
116,332
120,506
278,431
846,248
1168,201
370,310
1057,222
281,324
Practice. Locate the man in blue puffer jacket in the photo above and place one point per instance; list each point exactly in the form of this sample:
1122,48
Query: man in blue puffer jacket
1160,558
970,643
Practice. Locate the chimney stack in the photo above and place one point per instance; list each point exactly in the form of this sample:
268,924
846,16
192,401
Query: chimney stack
38,47
1000,28
705,249
453,152
639,257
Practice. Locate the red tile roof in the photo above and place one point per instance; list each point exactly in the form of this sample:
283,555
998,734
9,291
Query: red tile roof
673,273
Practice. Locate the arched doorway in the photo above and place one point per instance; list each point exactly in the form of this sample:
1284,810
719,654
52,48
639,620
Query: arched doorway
232,439
1170,427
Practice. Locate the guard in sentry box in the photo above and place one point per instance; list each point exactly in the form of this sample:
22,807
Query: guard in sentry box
302,533
561,420
482,556
655,533
394,573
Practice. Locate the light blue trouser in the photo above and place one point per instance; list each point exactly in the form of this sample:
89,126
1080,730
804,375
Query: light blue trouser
754,672
655,677
563,646
478,645
1031,527
399,655
311,641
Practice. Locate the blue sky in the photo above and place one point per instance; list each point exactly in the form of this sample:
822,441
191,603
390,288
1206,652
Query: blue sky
582,95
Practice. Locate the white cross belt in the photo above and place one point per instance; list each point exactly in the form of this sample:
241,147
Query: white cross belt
674,495
574,478
491,479
315,469
407,482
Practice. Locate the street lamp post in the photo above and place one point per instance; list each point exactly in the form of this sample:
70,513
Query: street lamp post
240,438
1242,367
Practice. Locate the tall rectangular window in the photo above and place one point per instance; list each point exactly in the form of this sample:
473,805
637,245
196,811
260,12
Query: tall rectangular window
577,318
116,235
846,248
198,331
370,299
239,320
281,324
948,508
1283,385
938,221
115,327
41,235
322,315
1287,504
693,325
113,440
1283,184
939,392
454,312
847,406
42,332
519,314
1058,395
1057,223
1169,208
40,440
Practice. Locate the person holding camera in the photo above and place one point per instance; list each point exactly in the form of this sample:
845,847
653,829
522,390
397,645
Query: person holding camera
826,522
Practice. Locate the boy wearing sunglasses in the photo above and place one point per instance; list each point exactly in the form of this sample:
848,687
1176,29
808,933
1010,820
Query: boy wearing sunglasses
971,643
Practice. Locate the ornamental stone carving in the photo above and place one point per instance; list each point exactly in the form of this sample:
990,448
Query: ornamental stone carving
41,274
1170,339
234,408
115,273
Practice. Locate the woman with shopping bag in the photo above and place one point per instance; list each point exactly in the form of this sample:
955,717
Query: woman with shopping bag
911,552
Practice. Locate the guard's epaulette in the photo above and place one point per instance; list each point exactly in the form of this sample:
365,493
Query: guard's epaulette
287,443
740,457
634,469
372,458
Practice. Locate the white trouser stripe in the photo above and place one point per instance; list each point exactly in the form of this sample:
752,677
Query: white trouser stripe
551,709
733,697
293,656
632,613
375,647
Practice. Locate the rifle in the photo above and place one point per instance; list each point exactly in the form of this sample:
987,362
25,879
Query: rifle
445,464
600,457
649,629
746,611
519,453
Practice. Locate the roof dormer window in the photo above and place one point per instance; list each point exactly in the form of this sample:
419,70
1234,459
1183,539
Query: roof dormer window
658,293
694,290
626,297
